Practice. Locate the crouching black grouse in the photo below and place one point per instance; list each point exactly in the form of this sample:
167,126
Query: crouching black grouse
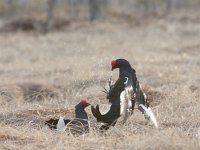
127,78
78,125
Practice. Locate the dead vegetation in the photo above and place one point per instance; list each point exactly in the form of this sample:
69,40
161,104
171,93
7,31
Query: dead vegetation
44,76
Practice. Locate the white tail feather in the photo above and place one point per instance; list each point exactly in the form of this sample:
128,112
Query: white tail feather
61,124
148,112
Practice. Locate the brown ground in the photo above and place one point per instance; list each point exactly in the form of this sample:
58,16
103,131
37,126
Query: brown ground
44,76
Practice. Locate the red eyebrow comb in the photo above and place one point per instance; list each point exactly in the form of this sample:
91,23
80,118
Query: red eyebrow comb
84,101
113,62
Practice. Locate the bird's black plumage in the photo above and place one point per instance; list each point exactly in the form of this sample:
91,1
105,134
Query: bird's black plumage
80,121
52,123
110,118
125,72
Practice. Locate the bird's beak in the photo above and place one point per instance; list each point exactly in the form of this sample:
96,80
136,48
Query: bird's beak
88,104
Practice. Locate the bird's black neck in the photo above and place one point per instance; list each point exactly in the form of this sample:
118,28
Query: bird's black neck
122,70
80,113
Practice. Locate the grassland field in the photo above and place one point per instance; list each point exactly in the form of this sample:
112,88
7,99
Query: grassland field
45,75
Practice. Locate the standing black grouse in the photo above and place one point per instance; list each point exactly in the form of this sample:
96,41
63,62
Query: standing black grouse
80,123
127,72
127,77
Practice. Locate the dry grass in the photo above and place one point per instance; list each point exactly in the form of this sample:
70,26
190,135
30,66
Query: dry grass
44,76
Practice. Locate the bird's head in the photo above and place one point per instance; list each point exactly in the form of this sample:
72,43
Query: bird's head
119,63
84,103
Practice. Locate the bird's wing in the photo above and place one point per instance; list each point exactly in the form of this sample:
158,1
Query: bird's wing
124,106
134,80
126,100
52,123
67,121
115,91
141,97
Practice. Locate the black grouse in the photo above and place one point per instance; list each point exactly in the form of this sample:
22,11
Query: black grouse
80,123
127,77
125,70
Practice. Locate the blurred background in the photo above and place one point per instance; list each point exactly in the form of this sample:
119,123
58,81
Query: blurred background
49,14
